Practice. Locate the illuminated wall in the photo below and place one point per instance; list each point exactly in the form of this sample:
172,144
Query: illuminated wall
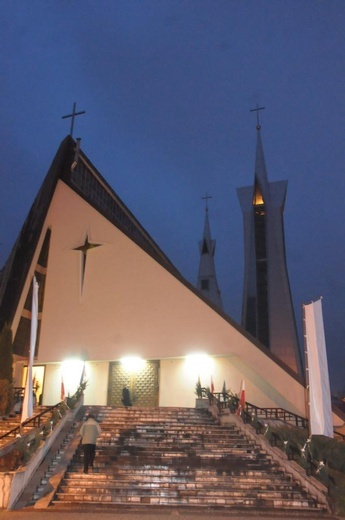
119,301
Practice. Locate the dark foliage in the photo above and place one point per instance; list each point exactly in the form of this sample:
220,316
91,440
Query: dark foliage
6,354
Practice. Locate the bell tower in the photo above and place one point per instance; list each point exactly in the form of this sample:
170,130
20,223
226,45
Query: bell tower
207,279
267,309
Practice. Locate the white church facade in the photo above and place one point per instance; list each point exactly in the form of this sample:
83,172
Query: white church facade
110,300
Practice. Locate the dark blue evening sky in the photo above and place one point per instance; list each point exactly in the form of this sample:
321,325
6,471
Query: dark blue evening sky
167,87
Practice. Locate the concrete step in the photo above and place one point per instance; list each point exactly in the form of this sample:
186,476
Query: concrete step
222,487
196,473
196,477
201,495
180,500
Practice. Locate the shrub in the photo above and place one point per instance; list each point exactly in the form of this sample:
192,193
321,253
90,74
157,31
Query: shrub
6,355
198,389
6,397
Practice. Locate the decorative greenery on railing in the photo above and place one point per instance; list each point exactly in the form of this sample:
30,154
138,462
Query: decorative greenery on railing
320,456
74,399
230,400
21,446
24,445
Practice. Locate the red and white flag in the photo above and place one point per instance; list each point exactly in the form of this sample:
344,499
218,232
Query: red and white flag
242,399
62,394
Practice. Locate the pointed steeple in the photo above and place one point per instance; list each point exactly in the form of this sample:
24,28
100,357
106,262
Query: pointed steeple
267,310
261,184
207,280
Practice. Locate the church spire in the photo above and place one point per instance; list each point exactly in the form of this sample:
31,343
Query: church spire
267,309
207,280
260,165
261,185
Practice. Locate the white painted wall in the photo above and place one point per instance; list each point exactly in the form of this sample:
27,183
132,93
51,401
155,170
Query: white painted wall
130,305
177,382
178,379
96,392
52,384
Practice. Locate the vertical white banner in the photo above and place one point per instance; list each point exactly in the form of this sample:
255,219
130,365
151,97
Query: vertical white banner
320,407
27,410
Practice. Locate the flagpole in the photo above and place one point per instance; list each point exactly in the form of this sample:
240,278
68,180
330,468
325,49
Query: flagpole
83,373
27,406
307,389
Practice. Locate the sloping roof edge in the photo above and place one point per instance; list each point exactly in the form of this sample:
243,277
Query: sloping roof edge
18,264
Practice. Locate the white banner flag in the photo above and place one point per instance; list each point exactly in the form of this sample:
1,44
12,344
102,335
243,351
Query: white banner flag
27,410
320,407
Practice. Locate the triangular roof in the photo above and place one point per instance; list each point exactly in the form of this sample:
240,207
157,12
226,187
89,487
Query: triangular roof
86,180
89,184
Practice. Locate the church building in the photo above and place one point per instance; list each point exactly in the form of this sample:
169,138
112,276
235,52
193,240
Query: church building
112,303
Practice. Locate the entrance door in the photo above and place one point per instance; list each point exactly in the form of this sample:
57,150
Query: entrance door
142,382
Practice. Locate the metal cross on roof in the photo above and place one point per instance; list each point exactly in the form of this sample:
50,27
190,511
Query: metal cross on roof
257,115
206,199
73,115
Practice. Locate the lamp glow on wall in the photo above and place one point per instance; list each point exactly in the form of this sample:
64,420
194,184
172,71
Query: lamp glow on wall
71,370
133,364
199,365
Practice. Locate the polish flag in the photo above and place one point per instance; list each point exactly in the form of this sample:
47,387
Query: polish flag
242,399
62,396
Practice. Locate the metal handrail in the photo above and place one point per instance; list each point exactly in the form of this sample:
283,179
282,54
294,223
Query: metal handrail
35,421
223,400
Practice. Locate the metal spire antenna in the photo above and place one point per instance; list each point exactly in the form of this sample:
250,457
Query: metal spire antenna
257,115
206,199
74,113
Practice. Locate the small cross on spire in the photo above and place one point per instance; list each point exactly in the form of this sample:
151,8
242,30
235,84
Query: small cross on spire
74,113
257,115
206,200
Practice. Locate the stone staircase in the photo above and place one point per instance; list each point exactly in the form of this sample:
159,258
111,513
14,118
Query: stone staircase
179,457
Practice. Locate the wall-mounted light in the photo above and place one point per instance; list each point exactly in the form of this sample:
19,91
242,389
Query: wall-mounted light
199,365
133,363
71,371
